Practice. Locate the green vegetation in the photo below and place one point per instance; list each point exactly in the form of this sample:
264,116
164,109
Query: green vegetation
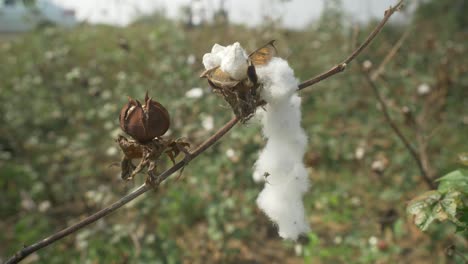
61,92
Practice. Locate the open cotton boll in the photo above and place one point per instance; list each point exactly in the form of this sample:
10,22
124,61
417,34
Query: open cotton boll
213,59
234,61
217,49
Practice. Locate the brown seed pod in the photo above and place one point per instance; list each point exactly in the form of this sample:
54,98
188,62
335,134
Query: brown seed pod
144,122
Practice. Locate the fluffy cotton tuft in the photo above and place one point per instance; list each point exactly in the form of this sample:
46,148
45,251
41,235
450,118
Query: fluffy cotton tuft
280,164
232,60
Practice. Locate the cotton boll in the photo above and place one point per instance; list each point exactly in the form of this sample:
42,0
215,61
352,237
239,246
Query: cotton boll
234,61
211,60
217,48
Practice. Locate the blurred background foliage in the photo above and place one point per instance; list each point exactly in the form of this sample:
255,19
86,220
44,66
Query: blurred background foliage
61,92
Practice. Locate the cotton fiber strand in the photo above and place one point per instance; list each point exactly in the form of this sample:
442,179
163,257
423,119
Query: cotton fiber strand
280,164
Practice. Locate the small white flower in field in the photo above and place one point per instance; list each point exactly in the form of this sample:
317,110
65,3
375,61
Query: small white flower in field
195,92
191,59
378,166
208,123
81,239
151,238
359,153
367,64
27,203
465,120
44,206
112,151
356,201
337,240
61,141
424,89
230,153
75,73
373,241
121,76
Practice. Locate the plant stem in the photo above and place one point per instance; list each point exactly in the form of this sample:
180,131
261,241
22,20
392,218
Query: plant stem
342,66
398,132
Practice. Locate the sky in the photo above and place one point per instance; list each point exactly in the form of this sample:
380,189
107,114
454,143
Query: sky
295,13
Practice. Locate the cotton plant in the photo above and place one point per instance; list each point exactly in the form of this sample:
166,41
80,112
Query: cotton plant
280,165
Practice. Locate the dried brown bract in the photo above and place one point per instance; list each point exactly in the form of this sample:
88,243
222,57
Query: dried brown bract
242,95
146,124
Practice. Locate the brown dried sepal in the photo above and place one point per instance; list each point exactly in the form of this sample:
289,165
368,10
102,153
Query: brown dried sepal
149,155
241,95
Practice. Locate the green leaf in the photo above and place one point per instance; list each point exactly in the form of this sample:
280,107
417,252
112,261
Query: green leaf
421,208
446,208
434,205
454,181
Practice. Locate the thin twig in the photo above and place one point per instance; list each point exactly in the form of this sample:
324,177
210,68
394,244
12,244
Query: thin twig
342,66
390,55
397,131
21,254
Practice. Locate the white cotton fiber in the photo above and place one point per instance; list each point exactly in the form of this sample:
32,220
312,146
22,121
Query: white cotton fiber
211,60
232,60
279,79
235,61
282,158
280,164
